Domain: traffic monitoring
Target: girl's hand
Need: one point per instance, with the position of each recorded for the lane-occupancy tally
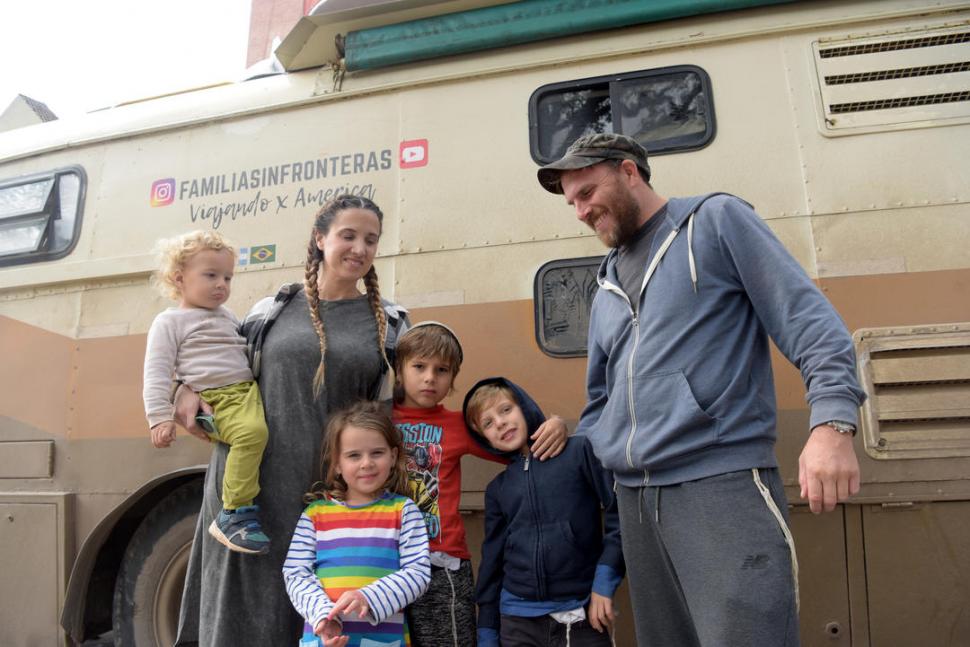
(350, 602)
(550, 438)
(600, 612)
(329, 631)
(163, 434)
(187, 405)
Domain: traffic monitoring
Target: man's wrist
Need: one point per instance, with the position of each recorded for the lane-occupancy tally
(841, 426)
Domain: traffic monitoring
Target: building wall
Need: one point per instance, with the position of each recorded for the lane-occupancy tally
(271, 19)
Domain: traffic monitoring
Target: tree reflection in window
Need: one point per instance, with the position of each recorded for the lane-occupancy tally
(566, 116)
(663, 112)
(666, 110)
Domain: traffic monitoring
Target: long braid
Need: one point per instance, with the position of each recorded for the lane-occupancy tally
(374, 295)
(313, 259)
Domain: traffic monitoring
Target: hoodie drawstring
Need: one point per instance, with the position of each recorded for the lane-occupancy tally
(611, 632)
(690, 250)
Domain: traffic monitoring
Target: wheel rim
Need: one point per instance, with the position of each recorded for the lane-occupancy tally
(168, 597)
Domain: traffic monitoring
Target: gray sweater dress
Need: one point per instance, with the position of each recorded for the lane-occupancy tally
(235, 599)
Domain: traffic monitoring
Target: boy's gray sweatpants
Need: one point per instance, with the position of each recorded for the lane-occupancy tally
(710, 562)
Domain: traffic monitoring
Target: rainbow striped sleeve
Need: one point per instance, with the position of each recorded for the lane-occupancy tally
(302, 585)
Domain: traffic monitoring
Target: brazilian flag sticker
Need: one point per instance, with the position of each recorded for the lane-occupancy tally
(262, 254)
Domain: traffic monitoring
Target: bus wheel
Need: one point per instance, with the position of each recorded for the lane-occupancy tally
(148, 590)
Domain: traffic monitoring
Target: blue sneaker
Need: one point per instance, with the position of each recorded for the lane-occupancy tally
(239, 530)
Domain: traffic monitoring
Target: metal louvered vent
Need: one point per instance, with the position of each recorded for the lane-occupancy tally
(918, 381)
(896, 81)
(894, 45)
(885, 75)
(902, 102)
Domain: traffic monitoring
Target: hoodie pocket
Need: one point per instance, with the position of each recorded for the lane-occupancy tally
(561, 553)
(669, 421)
(520, 553)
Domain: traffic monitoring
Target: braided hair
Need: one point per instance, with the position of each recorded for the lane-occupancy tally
(323, 220)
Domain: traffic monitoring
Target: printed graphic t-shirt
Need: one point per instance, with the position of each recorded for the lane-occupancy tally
(435, 439)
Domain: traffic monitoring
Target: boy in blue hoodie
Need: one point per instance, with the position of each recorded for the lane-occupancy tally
(550, 565)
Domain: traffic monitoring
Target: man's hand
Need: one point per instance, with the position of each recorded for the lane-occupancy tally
(187, 405)
(828, 470)
(349, 602)
(600, 612)
(329, 630)
(550, 438)
(163, 434)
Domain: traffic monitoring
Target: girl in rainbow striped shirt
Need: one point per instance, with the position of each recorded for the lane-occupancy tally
(359, 553)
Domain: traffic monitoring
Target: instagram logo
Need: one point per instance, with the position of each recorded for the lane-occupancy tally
(414, 153)
(163, 192)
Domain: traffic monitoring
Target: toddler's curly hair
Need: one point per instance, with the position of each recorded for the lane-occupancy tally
(174, 253)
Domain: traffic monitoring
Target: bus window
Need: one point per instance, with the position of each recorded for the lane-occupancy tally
(667, 110)
(40, 216)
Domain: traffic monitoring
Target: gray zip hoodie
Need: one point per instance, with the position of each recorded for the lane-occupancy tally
(684, 390)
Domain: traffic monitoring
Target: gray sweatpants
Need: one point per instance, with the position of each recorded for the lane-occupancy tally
(710, 562)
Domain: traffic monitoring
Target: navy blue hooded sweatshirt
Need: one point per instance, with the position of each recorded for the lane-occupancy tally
(544, 537)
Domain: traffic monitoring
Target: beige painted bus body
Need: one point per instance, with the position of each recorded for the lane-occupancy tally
(877, 213)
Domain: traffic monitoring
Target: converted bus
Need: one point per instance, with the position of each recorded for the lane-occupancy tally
(844, 123)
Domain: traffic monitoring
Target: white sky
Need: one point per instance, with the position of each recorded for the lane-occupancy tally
(87, 54)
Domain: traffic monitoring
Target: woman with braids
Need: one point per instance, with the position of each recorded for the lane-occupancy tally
(314, 348)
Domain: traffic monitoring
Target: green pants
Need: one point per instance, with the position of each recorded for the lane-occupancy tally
(238, 414)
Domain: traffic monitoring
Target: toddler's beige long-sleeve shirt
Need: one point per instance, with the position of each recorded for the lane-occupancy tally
(198, 346)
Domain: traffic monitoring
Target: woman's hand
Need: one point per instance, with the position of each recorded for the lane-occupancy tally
(350, 602)
(329, 630)
(550, 438)
(187, 405)
(600, 612)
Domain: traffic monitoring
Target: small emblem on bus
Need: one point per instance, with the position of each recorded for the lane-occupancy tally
(163, 192)
(414, 153)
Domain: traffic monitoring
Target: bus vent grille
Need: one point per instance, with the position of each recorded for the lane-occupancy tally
(871, 84)
(900, 102)
(895, 45)
(906, 73)
(918, 382)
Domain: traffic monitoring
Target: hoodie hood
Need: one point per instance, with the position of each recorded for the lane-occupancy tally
(530, 411)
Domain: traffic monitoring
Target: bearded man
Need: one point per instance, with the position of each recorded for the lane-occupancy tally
(681, 401)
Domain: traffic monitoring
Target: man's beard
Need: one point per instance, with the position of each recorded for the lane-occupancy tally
(627, 213)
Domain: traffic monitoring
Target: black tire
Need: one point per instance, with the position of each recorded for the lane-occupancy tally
(148, 590)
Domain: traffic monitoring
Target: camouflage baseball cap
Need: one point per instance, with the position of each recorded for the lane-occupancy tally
(589, 150)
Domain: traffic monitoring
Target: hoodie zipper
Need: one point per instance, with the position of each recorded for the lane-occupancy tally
(629, 395)
(635, 322)
(536, 555)
(651, 268)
